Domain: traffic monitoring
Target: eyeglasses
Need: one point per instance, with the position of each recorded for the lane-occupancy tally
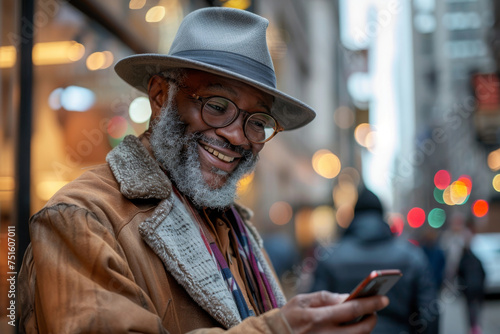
(219, 112)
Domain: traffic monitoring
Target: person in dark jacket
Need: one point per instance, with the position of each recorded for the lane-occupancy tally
(368, 244)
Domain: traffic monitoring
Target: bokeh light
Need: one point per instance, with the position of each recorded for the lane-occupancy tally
(323, 223)
(239, 4)
(117, 127)
(140, 110)
(155, 14)
(344, 215)
(416, 217)
(136, 4)
(442, 179)
(326, 164)
(361, 132)
(447, 196)
(458, 192)
(95, 61)
(303, 231)
(436, 217)
(496, 182)
(480, 208)
(396, 222)
(438, 195)
(494, 160)
(344, 193)
(280, 213)
(75, 98)
(344, 117)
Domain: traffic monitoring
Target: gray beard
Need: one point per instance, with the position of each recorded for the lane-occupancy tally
(178, 153)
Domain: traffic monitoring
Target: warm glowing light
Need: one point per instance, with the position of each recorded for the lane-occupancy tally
(416, 217)
(303, 231)
(45, 190)
(351, 175)
(117, 127)
(136, 4)
(442, 179)
(323, 223)
(245, 183)
(326, 164)
(436, 217)
(458, 192)
(239, 4)
(344, 117)
(371, 140)
(95, 61)
(360, 133)
(52, 53)
(496, 182)
(344, 215)
(280, 213)
(155, 14)
(140, 110)
(467, 180)
(480, 208)
(396, 222)
(345, 193)
(494, 160)
(7, 56)
(109, 58)
(447, 196)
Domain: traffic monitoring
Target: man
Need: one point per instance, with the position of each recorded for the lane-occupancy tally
(368, 244)
(151, 242)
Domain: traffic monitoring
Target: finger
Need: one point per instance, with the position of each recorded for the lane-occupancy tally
(365, 325)
(322, 298)
(357, 307)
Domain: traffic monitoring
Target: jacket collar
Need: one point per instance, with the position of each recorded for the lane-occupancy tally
(174, 236)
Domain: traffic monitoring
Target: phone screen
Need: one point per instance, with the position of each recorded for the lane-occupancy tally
(378, 282)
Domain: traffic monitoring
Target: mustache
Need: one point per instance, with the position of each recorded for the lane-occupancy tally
(245, 154)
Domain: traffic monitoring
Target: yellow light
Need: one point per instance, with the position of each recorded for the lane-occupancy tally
(323, 223)
(280, 213)
(447, 196)
(240, 4)
(458, 192)
(361, 132)
(494, 160)
(326, 164)
(245, 183)
(136, 4)
(45, 190)
(303, 231)
(108, 56)
(95, 61)
(52, 53)
(155, 14)
(7, 56)
(496, 182)
(370, 140)
(344, 117)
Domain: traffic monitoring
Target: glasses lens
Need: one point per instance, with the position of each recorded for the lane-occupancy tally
(219, 112)
(259, 127)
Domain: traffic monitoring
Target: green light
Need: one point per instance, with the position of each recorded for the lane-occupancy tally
(436, 217)
(438, 195)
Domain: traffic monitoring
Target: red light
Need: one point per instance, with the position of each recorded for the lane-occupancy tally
(480, 208)
(416, 217)
(397, 224)
(442, 179)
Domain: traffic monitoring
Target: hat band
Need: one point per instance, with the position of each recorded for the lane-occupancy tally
(233, 62)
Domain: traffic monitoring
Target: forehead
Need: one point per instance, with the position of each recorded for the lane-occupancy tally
(205, 82)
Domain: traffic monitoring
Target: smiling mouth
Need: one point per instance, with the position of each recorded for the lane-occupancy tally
(217, 154)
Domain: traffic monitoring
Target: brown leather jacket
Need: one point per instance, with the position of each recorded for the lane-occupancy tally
(115, 252)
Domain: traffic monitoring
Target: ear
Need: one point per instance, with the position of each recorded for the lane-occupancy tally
(158, 94)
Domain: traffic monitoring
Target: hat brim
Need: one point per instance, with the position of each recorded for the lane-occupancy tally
(136, 70)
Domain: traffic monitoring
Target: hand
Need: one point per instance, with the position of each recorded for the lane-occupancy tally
(325, 312)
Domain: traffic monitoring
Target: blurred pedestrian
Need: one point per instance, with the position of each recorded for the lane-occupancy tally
(435, 254)
(368, 244)
(471, 275)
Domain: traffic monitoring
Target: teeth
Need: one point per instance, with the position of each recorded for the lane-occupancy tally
(218, 154)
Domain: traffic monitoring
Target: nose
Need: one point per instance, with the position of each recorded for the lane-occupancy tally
(234, 132)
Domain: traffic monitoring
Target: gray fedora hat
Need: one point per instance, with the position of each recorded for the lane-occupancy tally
(224, 41)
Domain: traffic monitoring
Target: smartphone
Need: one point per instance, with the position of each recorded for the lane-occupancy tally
(378, 282)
